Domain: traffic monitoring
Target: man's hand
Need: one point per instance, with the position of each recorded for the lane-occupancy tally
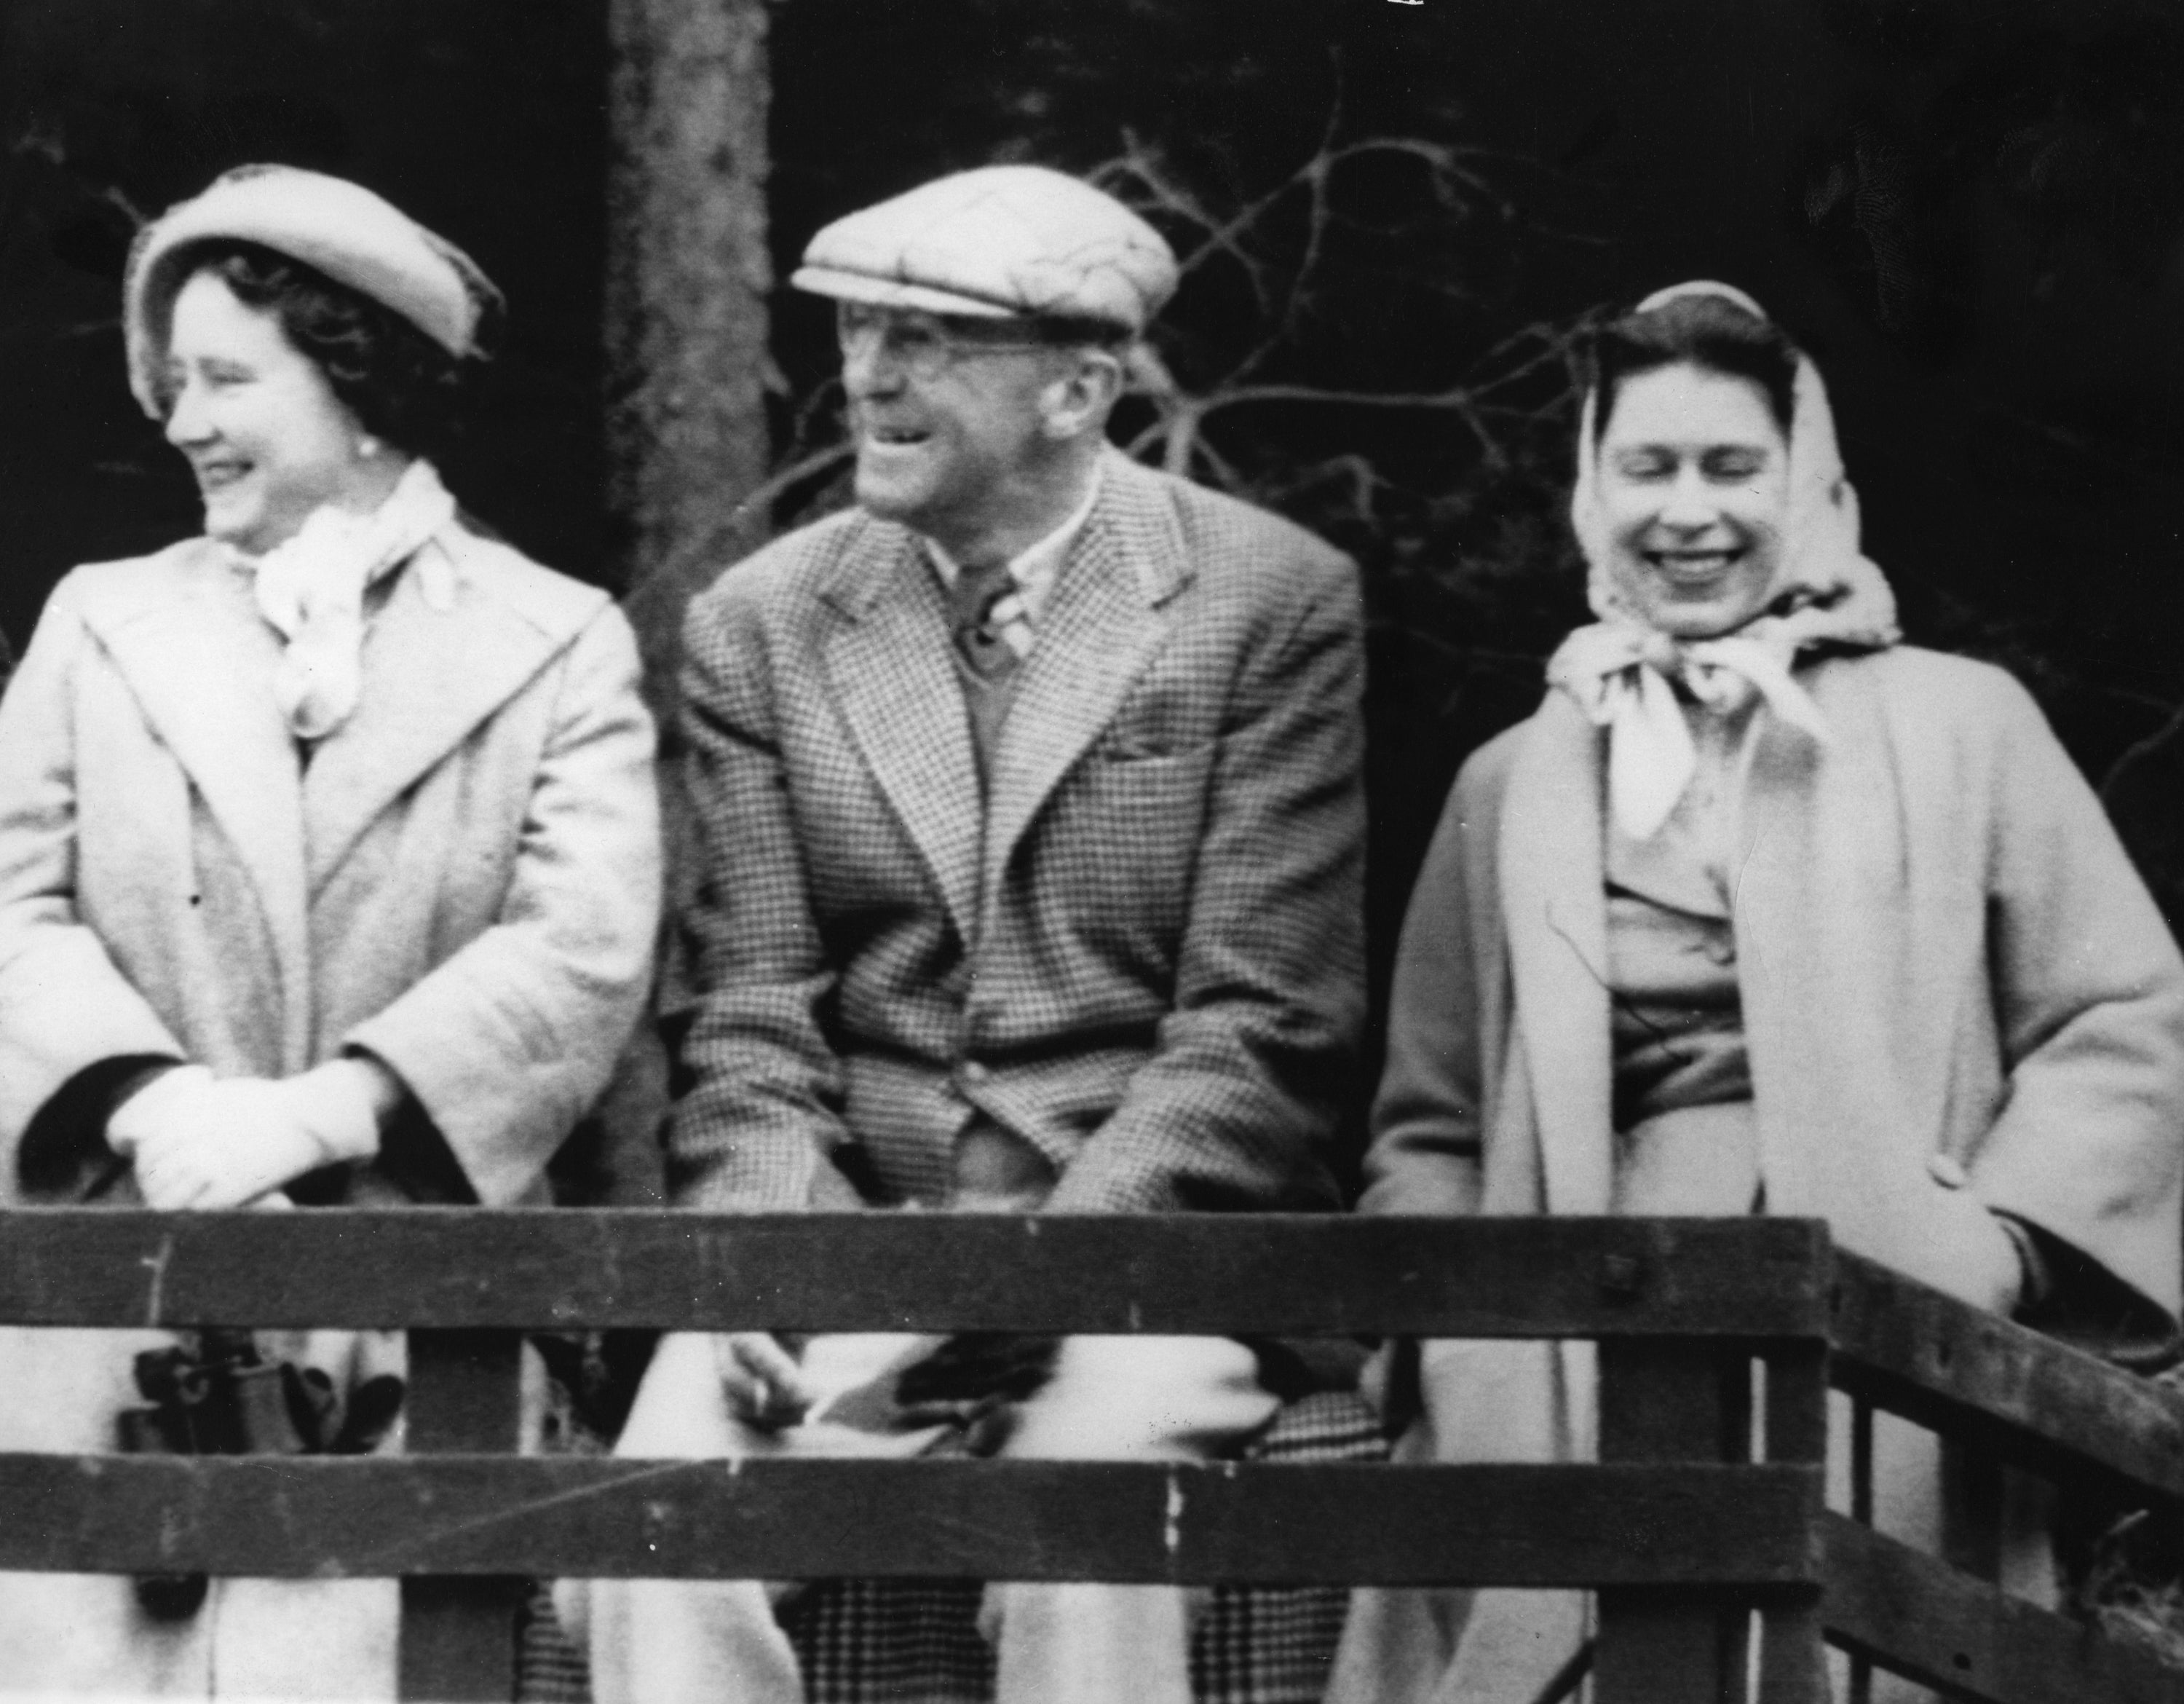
(764, 1386)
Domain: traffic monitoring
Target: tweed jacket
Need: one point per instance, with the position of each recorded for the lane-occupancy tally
(1141, 954)
(465, 880)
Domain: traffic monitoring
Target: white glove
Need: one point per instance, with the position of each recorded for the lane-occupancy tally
(203, 1143)
(184, 1098)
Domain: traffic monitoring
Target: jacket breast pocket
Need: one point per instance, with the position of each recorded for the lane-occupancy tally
(1142, 816)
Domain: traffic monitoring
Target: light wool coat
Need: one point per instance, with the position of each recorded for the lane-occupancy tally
(1949, 971)
(465, 880)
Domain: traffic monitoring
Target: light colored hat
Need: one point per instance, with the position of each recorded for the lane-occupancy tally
(1002, 242)
(352, 236)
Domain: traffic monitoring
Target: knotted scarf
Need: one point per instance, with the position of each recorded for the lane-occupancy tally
(310, 588)
(1623, 672)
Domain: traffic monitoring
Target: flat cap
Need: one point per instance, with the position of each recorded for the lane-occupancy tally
(342, 229)
(1001, 242)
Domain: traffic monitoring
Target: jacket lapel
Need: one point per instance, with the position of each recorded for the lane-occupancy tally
(1104, 622)
(888, 666)
(429, 678)
(199, 663)
(1558, 926)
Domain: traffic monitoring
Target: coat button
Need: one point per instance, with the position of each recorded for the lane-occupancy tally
(1947, 1171)
(973, 1072)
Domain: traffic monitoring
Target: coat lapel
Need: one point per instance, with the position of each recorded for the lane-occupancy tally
(1104, 622)
(200, 664)
(429, 678)
(888, 666)
(1557, 926)
(1841, 978)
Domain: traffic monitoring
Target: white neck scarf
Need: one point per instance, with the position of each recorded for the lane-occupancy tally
(310, 588)
(1623, 671)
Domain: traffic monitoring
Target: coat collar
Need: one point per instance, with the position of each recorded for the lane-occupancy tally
(431, 678)
(1802, 845)
(890, 670)
(1558, 933)
(187, 638)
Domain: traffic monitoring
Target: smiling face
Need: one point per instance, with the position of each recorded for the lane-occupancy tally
(964, 430)
(263, 431)
(1694, 484)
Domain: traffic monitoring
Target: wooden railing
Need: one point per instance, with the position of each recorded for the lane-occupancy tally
(1693, 1532)
(2006, 1396)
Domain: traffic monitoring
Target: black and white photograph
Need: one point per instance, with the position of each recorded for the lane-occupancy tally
(1092, 852)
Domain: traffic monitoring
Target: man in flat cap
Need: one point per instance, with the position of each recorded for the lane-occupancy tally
(1033, 841)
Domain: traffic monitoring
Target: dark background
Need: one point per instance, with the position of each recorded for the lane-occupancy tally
(481, 118)
(1971, 210)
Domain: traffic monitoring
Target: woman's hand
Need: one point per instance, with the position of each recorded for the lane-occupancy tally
(763, 1385)
(201, 1144)
(1964, 1252)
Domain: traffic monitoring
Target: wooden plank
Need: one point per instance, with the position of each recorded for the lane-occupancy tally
(1959, 1369)
(1539, 1526)
(1792, 1662)
(460, 1638)
(465, 1396)
(1914, 1614)
(458, 1634)
(1228, 1273)
(1797, 1403)
(1673, 1401)
(1974, 1495)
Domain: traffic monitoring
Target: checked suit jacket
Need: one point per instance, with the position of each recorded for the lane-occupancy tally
(1141, 950)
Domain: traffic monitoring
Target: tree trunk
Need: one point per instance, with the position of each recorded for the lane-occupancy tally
(688, 273)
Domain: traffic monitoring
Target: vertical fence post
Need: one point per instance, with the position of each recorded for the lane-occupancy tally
(1792, 1656)
(1670, 1399)
(1974, 1491)
(1861, 1511)
(459, 1633)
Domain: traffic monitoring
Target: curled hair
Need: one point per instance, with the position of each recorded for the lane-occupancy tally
(399, 384)
(1701, 331)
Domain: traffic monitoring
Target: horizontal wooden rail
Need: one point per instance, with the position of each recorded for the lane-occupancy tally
(1656, 1525)
(1957, 1369)
(1232, 1274)
(1920, 1616)
(1683, 1535)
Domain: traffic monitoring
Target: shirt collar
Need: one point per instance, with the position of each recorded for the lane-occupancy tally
(1035, 567)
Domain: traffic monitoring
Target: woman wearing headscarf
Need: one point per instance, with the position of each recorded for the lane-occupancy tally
(1762, 910)
(329, 872)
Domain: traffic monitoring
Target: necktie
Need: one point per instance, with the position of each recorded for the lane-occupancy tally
(979, 624)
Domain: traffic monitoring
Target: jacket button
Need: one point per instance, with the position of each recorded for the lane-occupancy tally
(973, 1072)
(1947, 1171)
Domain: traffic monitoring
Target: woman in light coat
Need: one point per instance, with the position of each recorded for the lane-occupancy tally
(1762, 910)
(329, 861)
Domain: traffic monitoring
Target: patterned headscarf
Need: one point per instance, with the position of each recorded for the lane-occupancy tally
(1623, 671)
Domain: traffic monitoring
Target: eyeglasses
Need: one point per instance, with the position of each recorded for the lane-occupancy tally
(924, 344)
